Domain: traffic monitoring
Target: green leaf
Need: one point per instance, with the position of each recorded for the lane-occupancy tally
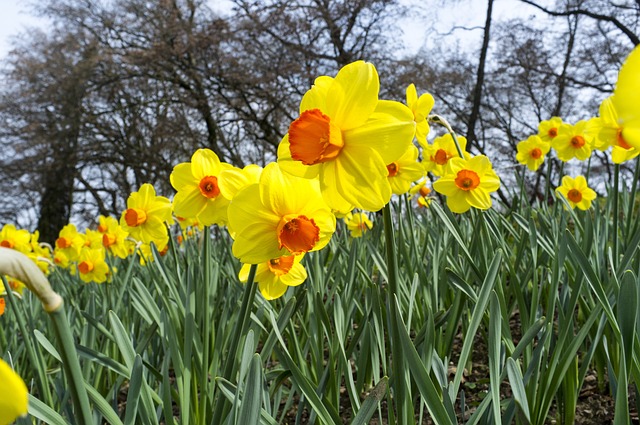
(252, 398)
(370, 403)
(41, 411)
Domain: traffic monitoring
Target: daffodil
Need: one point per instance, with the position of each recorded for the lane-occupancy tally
(607, 131)
(92, 266)
(626, 99)
(114, 237)
(345, 137)
(280, 215)
(69, 242)
(437, 155)
(468, 183)
(15, 397)
(572, 142)
(276, 275)
(18, 239)
(404, 171)
(421, 108)
(548, 130)
(358, 223)
(532, 152)
(421, 193)
(576, 192)
(146, 216)
(40, 253)
(198, 187)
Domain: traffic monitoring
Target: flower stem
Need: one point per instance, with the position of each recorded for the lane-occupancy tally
(440, 120)
(616, 186)
(204, 380)
(632, 196)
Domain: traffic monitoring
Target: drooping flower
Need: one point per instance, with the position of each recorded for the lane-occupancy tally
(280, 215)
(576, 192)
(15, 397)
(18, 239)
(69, 242)
(548, 130)
(572, 142)
(92, 266)
(421, 108)
(146, 216)
(198, 186)
(467, 183)
(626, 99)
(358, 223)
(276, 275)
(404, 171)
(437, 155)
(531, 152)
(346, 137)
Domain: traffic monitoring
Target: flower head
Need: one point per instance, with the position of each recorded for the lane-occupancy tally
(625, 99)
(608, 131)
(10, 237)
(404, 171)
(532, 152)
(146, 215)
(576, 192)
(572, 142)
(421, 107)
(548, 130)
(437, 155)
(276, 275)
(69, 242)
(92, 266)
(421, 192)
(15, 397)
(357, 223)
(114, 237)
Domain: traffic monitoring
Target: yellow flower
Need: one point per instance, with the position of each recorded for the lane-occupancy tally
(548, 130)
(15, 397)
(146, 215)
(40, 253)
(357, 224)
(114, 237)
(572, 142)
(17, 286)
(346, 137)
(608, 132)
(198, 186)
(625, 98)
(437, 155)
(421, 192)
(276, 275)
(232, 180)
(281, 215)
(10, 237)
(404, 171)
(92, 266)
(576, 192)
(467, 183)
(532, 152)
(69, 242)
(421, 107)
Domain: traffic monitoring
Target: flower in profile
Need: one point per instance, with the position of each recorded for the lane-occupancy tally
(198, 186)
(421, 108)
(576, 192)
(276, 275)
(92, 266)
(69, 242)
(421, 192)
(548, 130)
(437, 155)
(280, 215)
(625, 99)
(467, 183)
(357, 223)
(114, 237)
(345, 137)
(146, 216)
(15, 397)
(40, 253)
(10, 237)
(404, 171)
(531, 152)
(572, 142)
(608, 131)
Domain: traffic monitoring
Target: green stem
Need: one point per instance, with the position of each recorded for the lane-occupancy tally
(616, 185)
(440, 120)
(204, 379)
(632, 197)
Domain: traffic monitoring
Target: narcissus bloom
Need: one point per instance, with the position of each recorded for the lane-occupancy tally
(114, 237)
(421, 192)
(15, 398)
(576, 192)
(437, 155)
(198, 186)
(280, 215)
(609, 132)
(92, 266)
(10, 237)
(421, 108)
(357, 223)
(467, 183)
(531, 152)
(346, 137)
(548, 130)
(572, 142)
(276, 275)
(146, 215)
(626, 98)
(404, 171)
(69, 242)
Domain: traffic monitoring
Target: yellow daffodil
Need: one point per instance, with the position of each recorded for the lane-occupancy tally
(69, 242)
(608, 131)
(346, 137)
(16, 286)
(280, 215)
(10, 237)
(404, 171)
(437, 155)
(232, 180)
(626, 99)
(40, 253)
(92, 266)
(467, 183)
(198, 186)
(572, 142)
(146, 216)
(421, 192)
(531, 152)
(576, 192)
(548, 130)
(114, 237)
(357, 223)
(15, 397)
(276, 275)
(421, 108)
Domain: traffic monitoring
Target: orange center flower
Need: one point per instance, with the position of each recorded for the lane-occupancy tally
(7, 243)
(135, 217)
(424, 191)
(209, 186)
(108, 240)
(85, 267)
(621, 142)
(392, 169)
(314, 139)
(553, 132)
(574, 196)
(63, 243)
(467, 180)
(281, 266)
(536, 153)
(440, 157)
(577, 142)
(102, 228)
(298, 234)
